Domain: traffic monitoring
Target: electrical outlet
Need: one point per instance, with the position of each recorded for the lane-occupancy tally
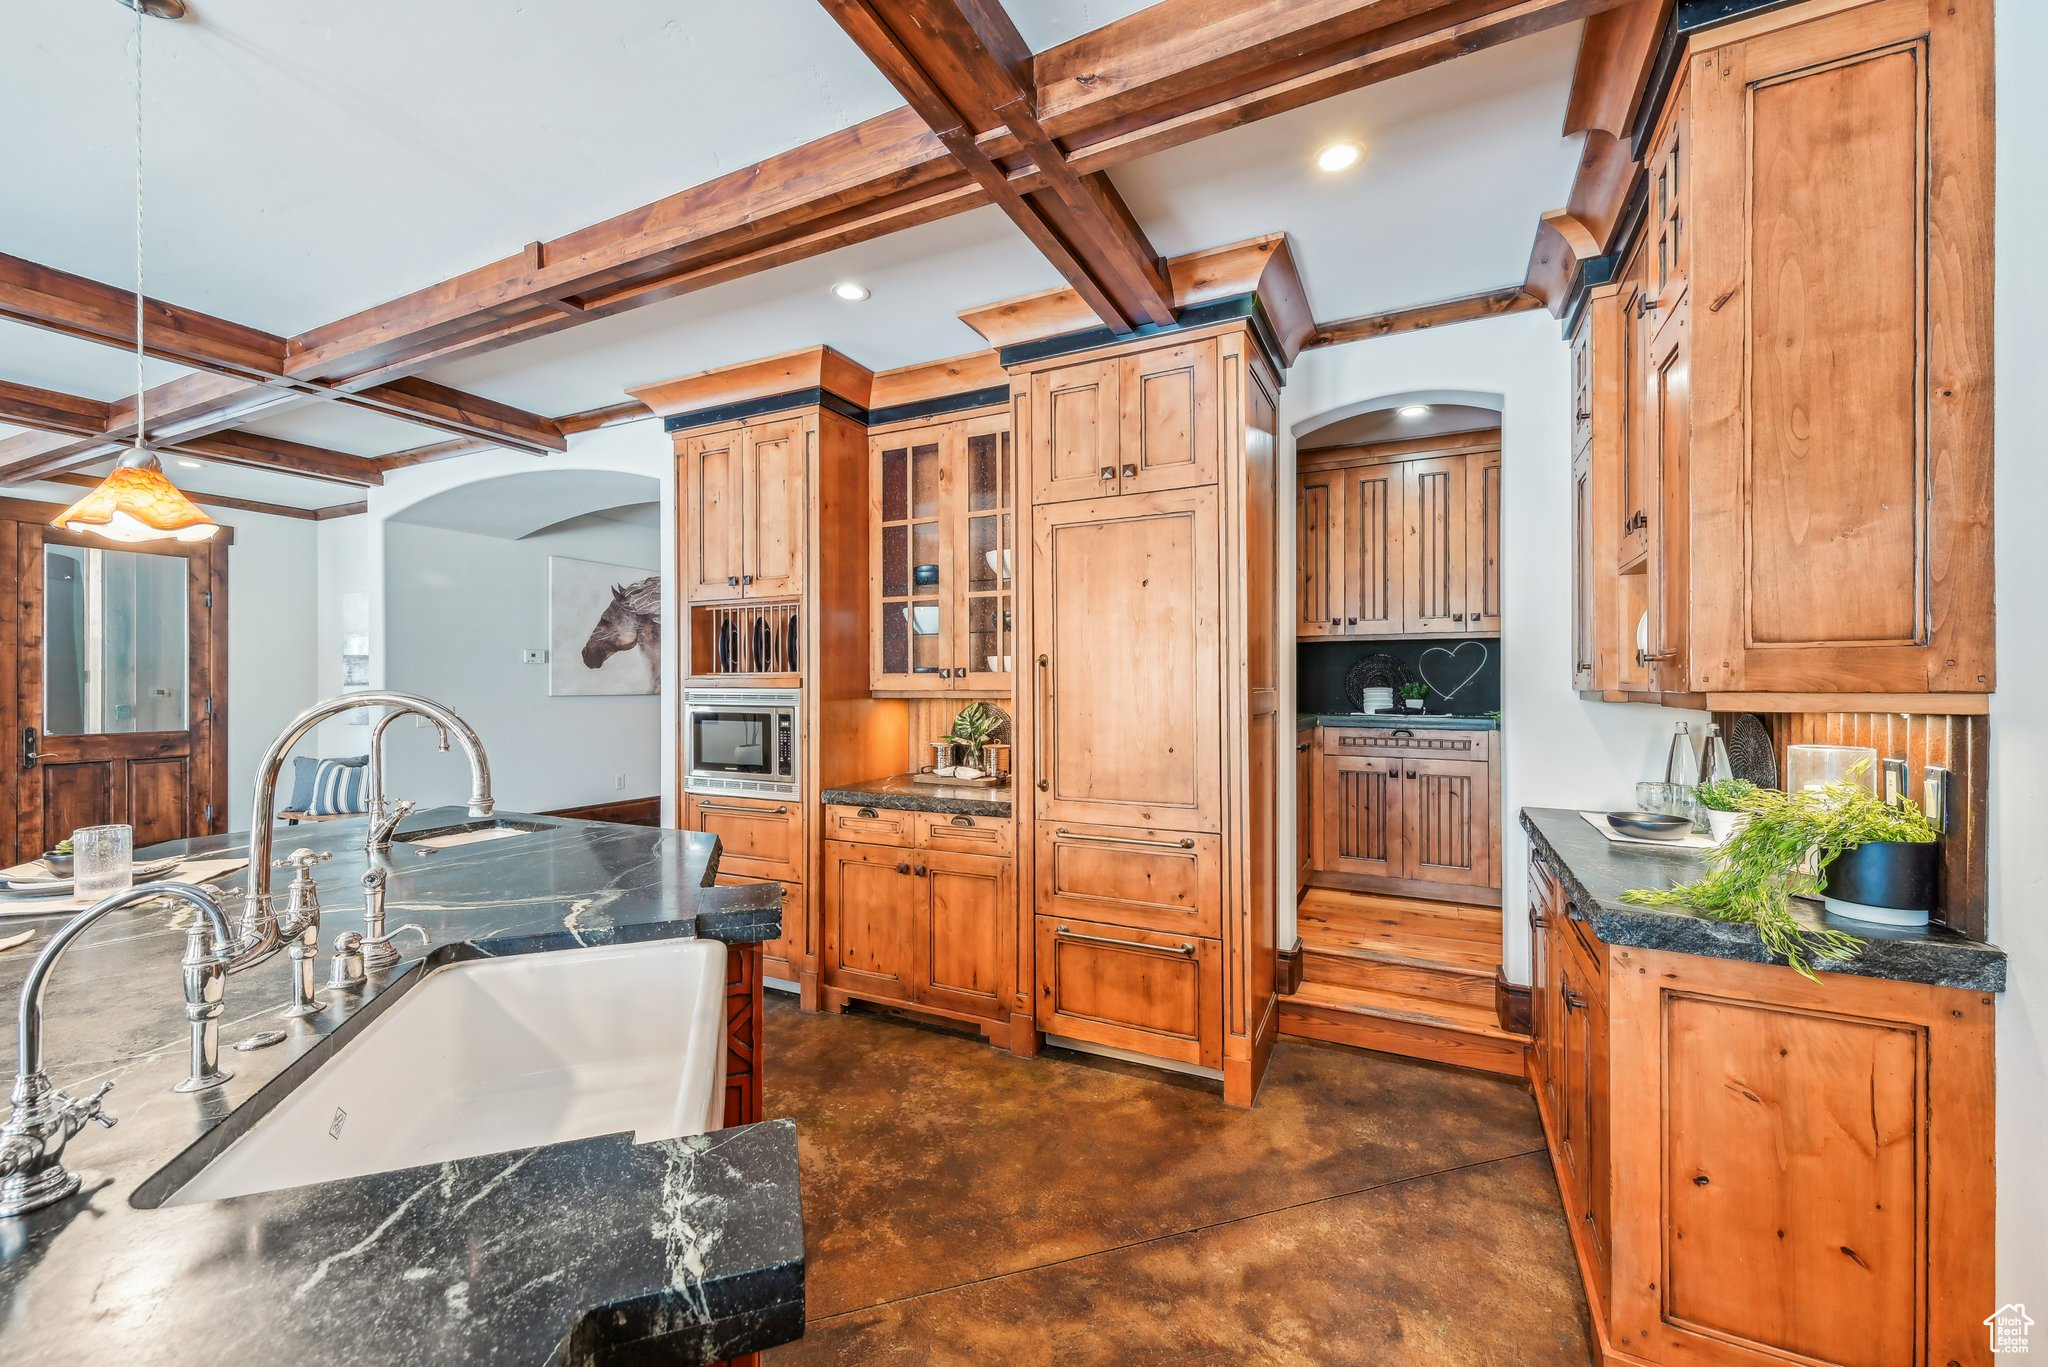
(535, 657)
(619, 782)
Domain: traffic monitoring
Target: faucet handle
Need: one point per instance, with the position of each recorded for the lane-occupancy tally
(303, 860)
(78, 1112)
(388, 936)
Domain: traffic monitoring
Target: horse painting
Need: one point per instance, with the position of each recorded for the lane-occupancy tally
(604, 629)
(631, 621)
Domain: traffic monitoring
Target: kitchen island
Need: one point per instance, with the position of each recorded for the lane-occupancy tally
(592, 1251)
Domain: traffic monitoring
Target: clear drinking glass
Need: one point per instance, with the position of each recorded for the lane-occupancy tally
(103, 861)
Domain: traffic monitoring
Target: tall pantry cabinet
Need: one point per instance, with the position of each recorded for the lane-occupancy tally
(1147, 698)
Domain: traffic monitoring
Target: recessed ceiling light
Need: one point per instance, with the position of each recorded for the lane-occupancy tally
(1414, 410)
(1339, 156)
(850, 292)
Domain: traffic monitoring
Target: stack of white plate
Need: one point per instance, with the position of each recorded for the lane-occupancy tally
(1377, 699)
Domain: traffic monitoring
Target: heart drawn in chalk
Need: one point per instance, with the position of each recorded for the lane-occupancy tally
(1453, 656)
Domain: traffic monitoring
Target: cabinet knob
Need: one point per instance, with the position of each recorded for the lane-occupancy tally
(1130, 472)
(1354, 621)
(903, 868)
(1457, 617)
(963, 821)
(746, 579)
(919, 870)
(868, 814)
(732, 581)
(1108, 472)
(1584, 416)
(1336, 621)
(1411, 773)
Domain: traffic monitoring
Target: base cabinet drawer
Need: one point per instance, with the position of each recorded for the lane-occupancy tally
(870, 825)
(967, 834)
(1166, 881)
(758, 837)
(1152, 993)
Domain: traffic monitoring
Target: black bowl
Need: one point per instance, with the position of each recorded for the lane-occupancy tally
(1651, 825)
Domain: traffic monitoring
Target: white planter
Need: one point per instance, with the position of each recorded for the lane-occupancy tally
(1723, 825)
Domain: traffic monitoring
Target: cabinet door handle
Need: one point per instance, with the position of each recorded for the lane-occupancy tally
(732, 581)
(746, 579)
(963, 821)
(869, 813)
(1108, 473)
(1130, 472)
(918, 871)
(1411, 773)
(1336, 621)
(1186, 842)
(1457, 617)
(1573, 1001)
(1401, 731)
(1301, 749)
(1584, 416)
(1354, 621)
(31, 756)
(778, 810)
(903, 869)
(1185, 950)
(1044, 675)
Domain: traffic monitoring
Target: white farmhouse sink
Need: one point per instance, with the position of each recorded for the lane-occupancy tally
(497, 1054)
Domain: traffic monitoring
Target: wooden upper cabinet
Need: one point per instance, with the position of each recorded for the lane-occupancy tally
(746, 498)
(1374, 570)
(1323, 584)
(1482, 544)
(1668, 228)
(1624, 452)
(1667, 432)
(777, 498)
(1433, 492)
(1077, 422)
(1170, 428)
(943, 555)
(1587, 574)
(1133, 424)
(713, 553)
(1128, 621)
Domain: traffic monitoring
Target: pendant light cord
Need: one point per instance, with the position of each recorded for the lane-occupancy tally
(141, 395)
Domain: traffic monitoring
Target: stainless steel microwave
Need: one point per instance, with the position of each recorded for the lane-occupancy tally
(741, 740)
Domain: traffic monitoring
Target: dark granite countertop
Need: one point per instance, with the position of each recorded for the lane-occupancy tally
(904, 794)
(1418, 720)
(595, 1250)
(1596, 872)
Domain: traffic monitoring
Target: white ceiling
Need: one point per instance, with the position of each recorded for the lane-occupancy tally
(307, 161)
(1391, 424)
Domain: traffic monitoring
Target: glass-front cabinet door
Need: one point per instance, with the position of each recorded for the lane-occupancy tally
(989, 553)
(944, 557)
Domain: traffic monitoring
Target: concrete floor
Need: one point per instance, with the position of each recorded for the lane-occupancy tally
(961, 1205)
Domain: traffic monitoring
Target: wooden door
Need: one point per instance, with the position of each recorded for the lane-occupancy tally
(870, 901)
(1358, 828)
(1305, 786)
(1170, 423)
(714, 554)
(1373, 569)
(1076, 427)
(1322, 588)
(1447, 821)
(1572, 1058)
(914, 560)
(777, 499)
(1668, 232)
(1636, 478)
(1667, 427)
(984, 527)
(758, 837)
(967, 912)
(119, 656)
(1585, 575)
(1433, 528)
(1482, 543)
(1128, 661)
(1544, 1006)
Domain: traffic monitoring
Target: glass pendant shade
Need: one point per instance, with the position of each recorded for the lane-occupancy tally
(136, 502)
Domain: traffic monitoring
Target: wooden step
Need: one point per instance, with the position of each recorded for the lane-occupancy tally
(1425, 981)
(1392, 1023)
(1402, 930)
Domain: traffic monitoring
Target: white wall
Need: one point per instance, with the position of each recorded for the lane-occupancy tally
(639, 448)
(459, 609)
(274, 594)
(1557, 750)
(2019, 710)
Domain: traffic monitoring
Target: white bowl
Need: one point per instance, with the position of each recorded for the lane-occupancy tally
(924, 620)
(989, 557)
(1000, 664)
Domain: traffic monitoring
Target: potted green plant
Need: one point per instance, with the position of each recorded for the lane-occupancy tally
(1413, 695)
(1721, 803)
(58, 860)
(976, 726)
(1789, 848)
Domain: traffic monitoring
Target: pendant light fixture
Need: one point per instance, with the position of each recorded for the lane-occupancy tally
(136, 501)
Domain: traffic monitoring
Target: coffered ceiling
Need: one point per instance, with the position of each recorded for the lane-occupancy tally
(306, 162)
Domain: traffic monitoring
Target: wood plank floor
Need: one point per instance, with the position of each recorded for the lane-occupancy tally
(963, 1206)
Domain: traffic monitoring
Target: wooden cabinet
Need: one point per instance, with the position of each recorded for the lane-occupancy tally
(943, 554)
(1774, 1132)
(1589, 576)
(746, 500)
(1128, 670)
(1396, 541)
(758, 837)
(1305, 786)
(1149, 991)
(1131, 424)
(914, 920)
(1808, 489)
(1405, 812)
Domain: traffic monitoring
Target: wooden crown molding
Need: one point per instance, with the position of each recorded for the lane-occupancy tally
(1464, 309)
(818, 367)
(1260, 266)
(914, 384)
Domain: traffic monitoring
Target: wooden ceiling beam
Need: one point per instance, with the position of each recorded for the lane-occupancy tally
(1464, 309)
(1174, 72)
(49, 411)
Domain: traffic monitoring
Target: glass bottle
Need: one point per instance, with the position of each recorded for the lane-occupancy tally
(1682, 771)
(1715, 765)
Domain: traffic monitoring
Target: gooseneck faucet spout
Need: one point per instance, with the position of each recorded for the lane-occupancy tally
(43, 1119)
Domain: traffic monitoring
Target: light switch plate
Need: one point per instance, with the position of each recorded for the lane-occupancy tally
(535, 657)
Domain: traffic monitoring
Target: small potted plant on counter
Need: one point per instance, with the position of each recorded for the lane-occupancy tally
(1793, 845)
(1413, 695)
(58, 860)
(976, 726)
(1722, 803)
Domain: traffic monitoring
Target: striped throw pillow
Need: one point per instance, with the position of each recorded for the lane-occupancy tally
(338, 789)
